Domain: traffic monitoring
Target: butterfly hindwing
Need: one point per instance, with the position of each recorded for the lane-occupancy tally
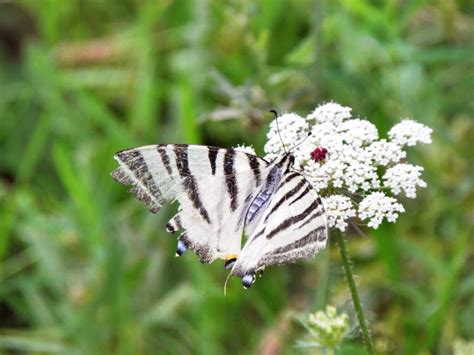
(292, 226)
(212, 185)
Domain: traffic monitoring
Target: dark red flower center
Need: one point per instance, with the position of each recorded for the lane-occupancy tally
(319, 154)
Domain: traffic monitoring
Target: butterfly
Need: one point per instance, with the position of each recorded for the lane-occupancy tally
(234, 206)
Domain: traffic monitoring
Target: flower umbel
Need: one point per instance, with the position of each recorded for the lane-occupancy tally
(338, 209)
(378, 206)
(327, 328)
(404, 177)
(346, 156)
(409, 132)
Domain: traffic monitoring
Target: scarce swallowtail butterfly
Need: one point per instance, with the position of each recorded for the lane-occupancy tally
(234, 206)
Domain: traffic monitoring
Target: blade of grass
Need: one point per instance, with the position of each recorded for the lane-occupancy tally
(94, 110)
(23, 343)
(187, 111)
(73, 180)
(35, 147)
(447, 292)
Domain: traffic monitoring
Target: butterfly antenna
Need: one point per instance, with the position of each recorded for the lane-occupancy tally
(302, 141)
(278, 129)
(225, 283)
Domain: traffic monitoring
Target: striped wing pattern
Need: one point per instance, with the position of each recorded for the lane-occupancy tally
(223, 193)
(212, 185)
(294, 226)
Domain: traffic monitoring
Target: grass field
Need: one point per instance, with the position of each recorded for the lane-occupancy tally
(86, 269)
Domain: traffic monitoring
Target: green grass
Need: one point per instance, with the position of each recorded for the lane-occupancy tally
(84, 268)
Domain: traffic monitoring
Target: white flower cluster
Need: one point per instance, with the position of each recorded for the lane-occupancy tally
(328, 329)
(378, 206)
(346, 155)
(338, 209)
(409, 132)
(404, 177)
(384, 152)
(331, 112)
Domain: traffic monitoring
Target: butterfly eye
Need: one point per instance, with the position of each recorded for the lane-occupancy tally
(248, 280)
(181, 248)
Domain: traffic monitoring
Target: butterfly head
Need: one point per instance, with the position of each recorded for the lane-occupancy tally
(285, 162)
(291, 159)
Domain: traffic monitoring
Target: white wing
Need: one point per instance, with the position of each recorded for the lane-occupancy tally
(213, 186)
(293, 226)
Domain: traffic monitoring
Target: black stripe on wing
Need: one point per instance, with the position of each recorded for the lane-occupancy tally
(230, 178)
(302, 194)
(188, 180)
(137, 165)
(292, 220)
(164, 158)
(318, 234)
(212, 155)
(316, 214)
(288, 195)
(255, 165)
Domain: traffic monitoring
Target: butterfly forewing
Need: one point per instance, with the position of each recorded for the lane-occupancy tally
(212, 185)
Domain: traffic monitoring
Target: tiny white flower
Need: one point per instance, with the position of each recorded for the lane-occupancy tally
(330, 112)
(409, 132)
(339, 209)
(404, 177)
(384, 152)
(377, 206)
(246, 149)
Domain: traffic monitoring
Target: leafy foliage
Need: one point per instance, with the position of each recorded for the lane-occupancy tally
(84, 268)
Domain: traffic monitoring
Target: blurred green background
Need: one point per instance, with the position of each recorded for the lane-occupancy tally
(85, 269)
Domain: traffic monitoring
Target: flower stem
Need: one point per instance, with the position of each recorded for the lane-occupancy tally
(346, 262)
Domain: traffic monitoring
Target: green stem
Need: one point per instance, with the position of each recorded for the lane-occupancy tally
(346, 262)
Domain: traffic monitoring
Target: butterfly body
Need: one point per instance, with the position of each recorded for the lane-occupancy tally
(263, 196)
(226, 196)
